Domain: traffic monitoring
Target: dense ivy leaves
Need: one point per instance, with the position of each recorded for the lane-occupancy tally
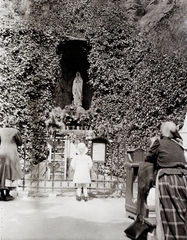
(29, 71)
(135, 85)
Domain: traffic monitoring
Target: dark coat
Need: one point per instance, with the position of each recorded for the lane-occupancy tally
(146, 179)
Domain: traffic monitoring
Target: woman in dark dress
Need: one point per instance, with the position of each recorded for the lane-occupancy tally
(167, 154)
(10, 167)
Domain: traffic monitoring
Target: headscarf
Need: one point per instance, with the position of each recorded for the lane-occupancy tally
(169, 129)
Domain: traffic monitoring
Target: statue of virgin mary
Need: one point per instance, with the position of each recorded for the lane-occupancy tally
(77, 90)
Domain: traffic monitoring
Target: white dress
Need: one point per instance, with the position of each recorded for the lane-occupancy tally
(82, 165)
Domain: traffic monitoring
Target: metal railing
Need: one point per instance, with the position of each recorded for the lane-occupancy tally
(54, 175)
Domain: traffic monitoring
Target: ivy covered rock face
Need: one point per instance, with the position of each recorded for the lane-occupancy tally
(139, 87)
(28, 78)
(136, 86)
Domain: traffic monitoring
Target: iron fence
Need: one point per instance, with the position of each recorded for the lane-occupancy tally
(55, 175)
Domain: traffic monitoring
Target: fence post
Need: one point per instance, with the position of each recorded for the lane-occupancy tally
(24, 159)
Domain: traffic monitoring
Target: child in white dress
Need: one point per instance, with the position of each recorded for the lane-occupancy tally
(82, 164)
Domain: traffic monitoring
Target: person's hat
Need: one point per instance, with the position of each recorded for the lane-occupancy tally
(81, 147)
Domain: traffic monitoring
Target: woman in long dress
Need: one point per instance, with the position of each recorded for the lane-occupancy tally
(167, 154)
(10, 167)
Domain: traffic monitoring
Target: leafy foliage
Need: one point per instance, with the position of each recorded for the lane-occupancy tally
(29, 73)
(136, 87)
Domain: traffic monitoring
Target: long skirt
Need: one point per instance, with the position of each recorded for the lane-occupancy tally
(10, 171)
(173, 206)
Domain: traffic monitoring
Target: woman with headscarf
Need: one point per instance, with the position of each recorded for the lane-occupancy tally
(10, 167)
(167, 154)
(77, 90)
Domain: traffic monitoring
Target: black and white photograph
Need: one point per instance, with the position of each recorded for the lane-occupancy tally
(93, 119)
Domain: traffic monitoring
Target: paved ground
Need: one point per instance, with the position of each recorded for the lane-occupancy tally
(63, 218)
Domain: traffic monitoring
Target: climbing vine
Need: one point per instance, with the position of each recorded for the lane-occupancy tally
(135, 86)
(30, 71)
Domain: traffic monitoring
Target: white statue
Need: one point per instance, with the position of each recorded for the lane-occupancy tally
(77, 90)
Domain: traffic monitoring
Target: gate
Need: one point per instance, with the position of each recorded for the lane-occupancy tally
(54, 175)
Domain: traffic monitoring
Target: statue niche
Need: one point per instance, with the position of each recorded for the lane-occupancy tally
(73, 62)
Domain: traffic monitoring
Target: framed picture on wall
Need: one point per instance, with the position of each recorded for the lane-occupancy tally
(99, 149)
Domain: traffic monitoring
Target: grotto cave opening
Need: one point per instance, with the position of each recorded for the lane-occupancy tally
(74, 54)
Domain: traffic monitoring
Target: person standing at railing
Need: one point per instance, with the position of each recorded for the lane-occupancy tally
(82, 164)
(10, 167)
